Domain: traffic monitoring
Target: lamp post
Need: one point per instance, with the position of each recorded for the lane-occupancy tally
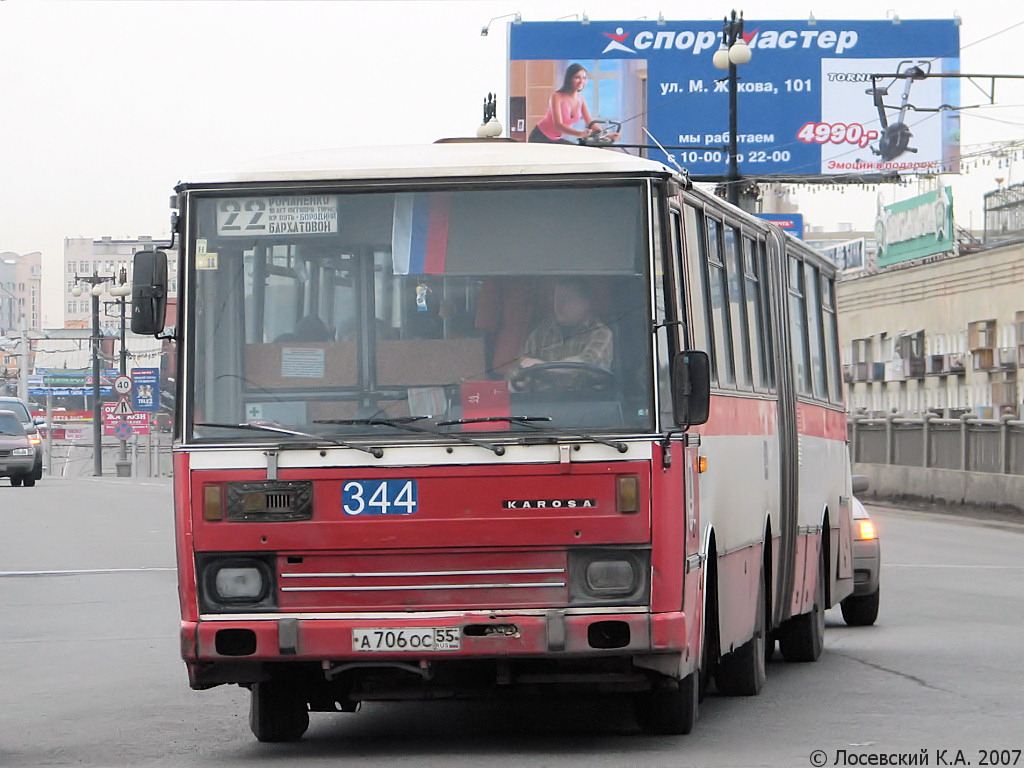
(96, 283)
(732, 52)
(120, 292)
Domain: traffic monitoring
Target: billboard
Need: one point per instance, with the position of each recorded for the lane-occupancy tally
(791, 223)
(848, 256)
(914, 228)
(806, 102)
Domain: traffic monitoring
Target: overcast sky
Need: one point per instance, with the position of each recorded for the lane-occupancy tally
(105, 105)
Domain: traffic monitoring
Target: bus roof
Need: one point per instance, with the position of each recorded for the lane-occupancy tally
(467, 158)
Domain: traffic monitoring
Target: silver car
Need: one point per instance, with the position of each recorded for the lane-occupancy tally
(17, 454)
(20, 409)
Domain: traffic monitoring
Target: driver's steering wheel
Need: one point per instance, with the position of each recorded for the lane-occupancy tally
(563, 376)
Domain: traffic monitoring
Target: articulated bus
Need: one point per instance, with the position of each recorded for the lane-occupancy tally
(384, 490)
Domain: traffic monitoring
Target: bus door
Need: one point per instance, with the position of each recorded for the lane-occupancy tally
(788, 445)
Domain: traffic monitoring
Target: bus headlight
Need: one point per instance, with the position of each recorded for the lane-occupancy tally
(233, 582)
(609, 576)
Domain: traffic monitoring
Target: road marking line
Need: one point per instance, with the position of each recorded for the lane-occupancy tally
(81, 572)
(942, 565)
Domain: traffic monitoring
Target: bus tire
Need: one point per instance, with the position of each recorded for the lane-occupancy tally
(277, 712)
(860, 610)
(742, 672)
(802, 638)
(670, 710)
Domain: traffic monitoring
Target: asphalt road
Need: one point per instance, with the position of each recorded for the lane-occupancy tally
(90, 676)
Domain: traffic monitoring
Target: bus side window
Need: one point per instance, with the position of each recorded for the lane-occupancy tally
(755, 312)
(718, 307)
(798, 318)
(737, 307)
(695, 248)
(815, 332)
(835, 383)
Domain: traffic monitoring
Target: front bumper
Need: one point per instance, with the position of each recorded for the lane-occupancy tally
(235, 649)
(867, 561)
(17, 466)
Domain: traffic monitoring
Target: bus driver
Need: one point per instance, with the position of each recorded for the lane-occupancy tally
(572, 333)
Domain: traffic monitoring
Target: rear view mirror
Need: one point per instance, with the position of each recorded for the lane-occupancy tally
(691, 388)
(149, 292)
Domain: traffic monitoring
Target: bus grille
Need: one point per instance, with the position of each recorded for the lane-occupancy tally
(423, 581)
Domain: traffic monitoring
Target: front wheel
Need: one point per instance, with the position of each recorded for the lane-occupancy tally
(671, 710)
(860, 610)
(277, 712)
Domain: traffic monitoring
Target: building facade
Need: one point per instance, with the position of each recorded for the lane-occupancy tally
(945, 337)
(104, 257)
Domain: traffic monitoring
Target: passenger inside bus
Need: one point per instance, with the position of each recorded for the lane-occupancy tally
(309, 328)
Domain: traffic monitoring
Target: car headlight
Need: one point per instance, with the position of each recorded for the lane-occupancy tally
(21, 452)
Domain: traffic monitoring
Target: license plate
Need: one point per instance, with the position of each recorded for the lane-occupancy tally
(409, 639)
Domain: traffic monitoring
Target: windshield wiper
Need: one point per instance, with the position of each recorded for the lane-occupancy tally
(373, 450)
(527, 421)
(404, 424)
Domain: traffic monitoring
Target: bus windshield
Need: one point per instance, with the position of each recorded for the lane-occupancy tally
(423, 310)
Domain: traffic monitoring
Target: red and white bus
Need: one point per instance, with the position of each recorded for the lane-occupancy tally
(377, 499)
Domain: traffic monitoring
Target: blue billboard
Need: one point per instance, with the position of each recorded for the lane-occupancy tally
(806, 101)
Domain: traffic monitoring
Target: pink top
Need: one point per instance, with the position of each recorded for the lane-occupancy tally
(572, 112)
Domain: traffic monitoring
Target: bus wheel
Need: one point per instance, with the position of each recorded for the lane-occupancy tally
(277, 712)
(671, 710)
(15, 482)
(802, 638)
(742, 672)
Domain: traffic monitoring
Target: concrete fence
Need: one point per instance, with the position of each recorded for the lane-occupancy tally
(961, 461)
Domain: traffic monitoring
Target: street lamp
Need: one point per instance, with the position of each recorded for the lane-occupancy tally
(120, 292)
(95, 283)
(732, 52)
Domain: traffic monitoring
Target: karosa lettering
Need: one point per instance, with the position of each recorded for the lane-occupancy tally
(548, 503)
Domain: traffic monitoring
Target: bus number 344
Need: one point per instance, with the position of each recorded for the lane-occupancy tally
(379, 497)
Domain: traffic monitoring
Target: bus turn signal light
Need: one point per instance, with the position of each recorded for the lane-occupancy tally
(628, 495)
(702, 464)
(213, 503)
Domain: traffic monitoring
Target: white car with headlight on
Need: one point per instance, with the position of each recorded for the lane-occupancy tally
(861, 608)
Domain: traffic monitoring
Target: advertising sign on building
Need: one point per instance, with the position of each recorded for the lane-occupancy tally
(915, 228)
(807, 104)
(847, 256)
(790, 223)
